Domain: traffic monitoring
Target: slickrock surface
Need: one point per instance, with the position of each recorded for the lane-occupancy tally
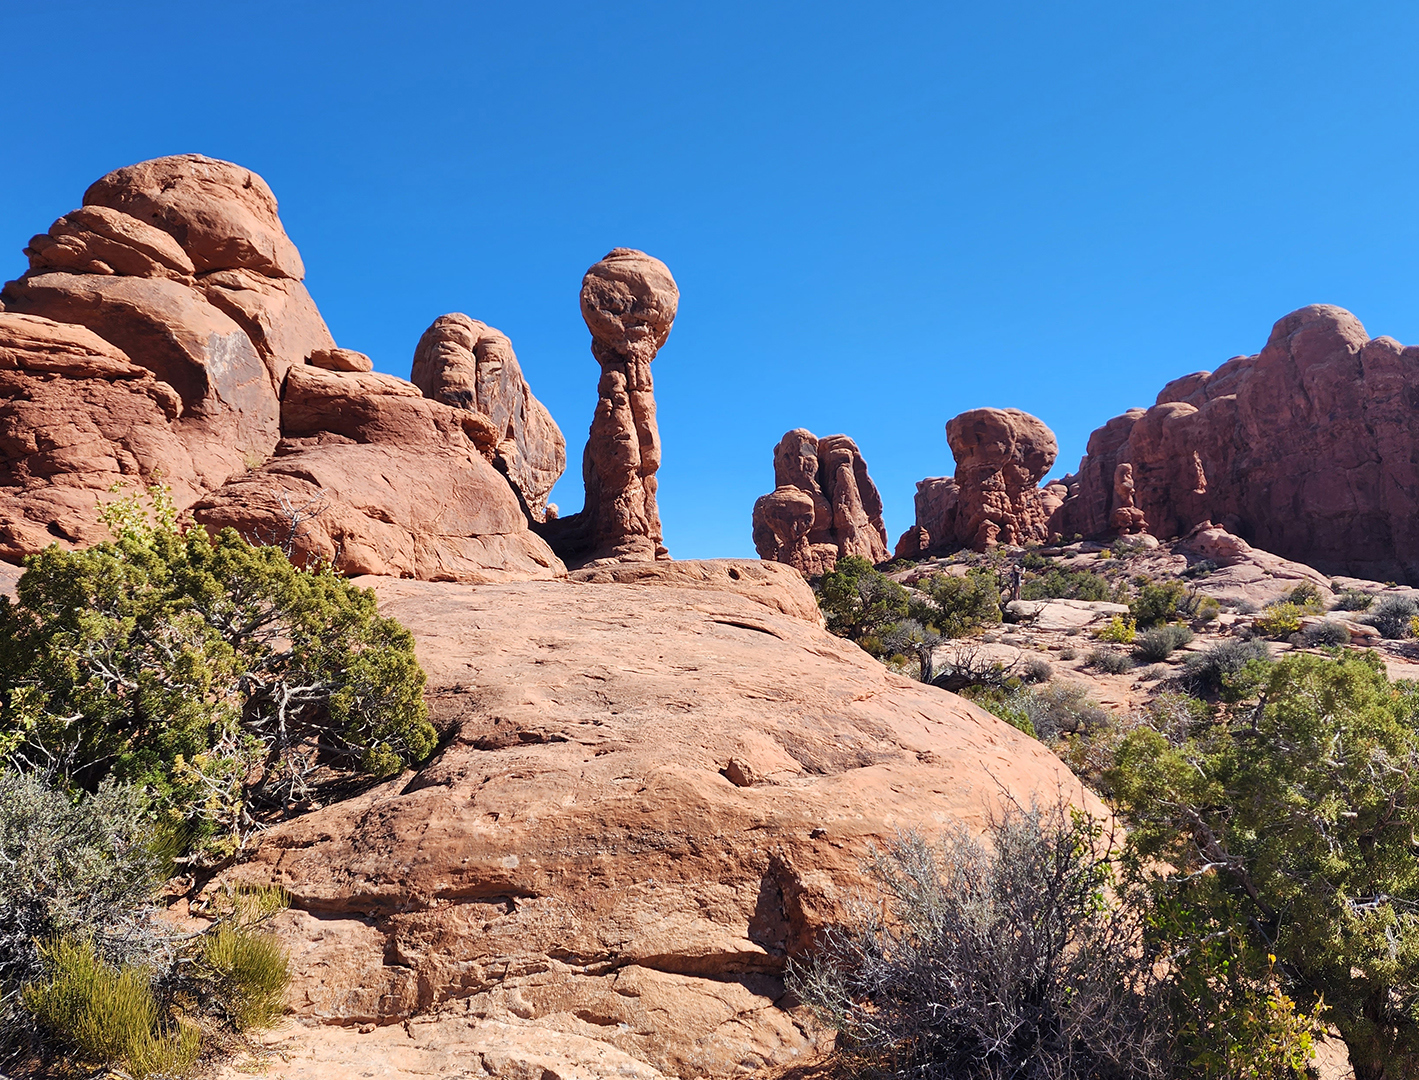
(1308, 449)
(469, 365)
(994, 497)
(628, 300)
(652, 797)
(823, 506)
(769, 583)
(163, 333)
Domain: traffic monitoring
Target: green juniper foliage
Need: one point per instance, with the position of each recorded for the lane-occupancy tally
(1290, 828)
(230, 685)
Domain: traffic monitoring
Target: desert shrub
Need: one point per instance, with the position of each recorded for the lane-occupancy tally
(1286, 831)
(911, 638)
(859, 602)
(1008, 958)
(1061, 708)
(1158, 644)
(1058, 583)
(1278, 620)
(1069, 652)
(1328, 632)
(1153, 672)
(1306, 596)
(1036, 669)
(1201, 568)
(104, 1015)
(83, 868)
(966, 664)
(250, 971)
(1118, 631)
(1205, 609)
(1353, 600)
(1221, 668)
(959, 606)
(1157, 602)
(228, 683)
(1109, 661)
(1390, 615)
(1002, 703)
(1243, 606)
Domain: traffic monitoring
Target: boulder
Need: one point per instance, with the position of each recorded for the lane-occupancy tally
(469, 365)
(1307, 449)
(650, 798)
(824, 505)
(1062, 614)
(628, 300)
(437, 512)
(340, 360)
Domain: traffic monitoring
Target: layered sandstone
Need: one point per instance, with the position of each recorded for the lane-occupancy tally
(824, 505)
(651, 797)
(162, 333)
(469, 365)
(1309, 449)
(994, 497)
(628, 300)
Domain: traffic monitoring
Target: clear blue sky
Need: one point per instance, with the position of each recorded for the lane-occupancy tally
(879, 215)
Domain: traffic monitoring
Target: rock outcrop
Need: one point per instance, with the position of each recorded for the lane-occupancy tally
(624, 838)
(994, 497)
(1309, 450)
(162, 332)
(628, 300)
(469, 365)
(823, 506)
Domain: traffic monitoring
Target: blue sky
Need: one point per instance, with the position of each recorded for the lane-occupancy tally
(879, 216)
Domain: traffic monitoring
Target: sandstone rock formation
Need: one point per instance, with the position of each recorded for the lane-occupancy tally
(628, 300)
(162, 333)
(469, 365)
(823, 506)
(1125, 518)
(994, 497)
(1308, 449)
(624, 838)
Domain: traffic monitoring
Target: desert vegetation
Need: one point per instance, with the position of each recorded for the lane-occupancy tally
(166, 695)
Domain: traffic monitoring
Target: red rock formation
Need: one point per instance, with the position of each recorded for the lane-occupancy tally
(469, 365)
(651, 797)
(1001, 456)
(823, 506)
(162, 332)
(1307, 450)
(1126, 518)
(628, 300)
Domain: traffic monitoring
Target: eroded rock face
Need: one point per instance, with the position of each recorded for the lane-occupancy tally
(612, 850)
(823, 506)
(469, 365)
(628, 300)
(162, 332)
(1309, 449)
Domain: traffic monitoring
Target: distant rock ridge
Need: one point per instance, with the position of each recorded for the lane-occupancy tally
(162, 333)
(1308, 449)
(824, 505)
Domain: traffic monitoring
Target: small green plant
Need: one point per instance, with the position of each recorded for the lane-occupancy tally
(1353, 600)
(1069, 652)
(1036, 670)
(108, 1016)
(1229, 668)
(1057, 583)
(1206, 609)
(1278, 620)
(1105, 554)
(1119, 630)
(1109, 661)
(1157, 644)
(1158, 602)
(1392, 615)
(1328, 632)
(1201, 568)
(251, 971)
(1306, 596)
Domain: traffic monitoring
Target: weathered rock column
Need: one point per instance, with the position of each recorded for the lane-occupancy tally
(628, 300)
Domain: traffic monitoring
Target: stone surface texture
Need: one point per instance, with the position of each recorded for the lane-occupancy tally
(469, 365)
(650, 798)
(162, 333)
(628, 300)
(1309, 449)
(824, 505)
(1001, 456)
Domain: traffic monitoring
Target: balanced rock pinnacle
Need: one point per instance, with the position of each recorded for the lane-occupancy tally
(628, 300)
